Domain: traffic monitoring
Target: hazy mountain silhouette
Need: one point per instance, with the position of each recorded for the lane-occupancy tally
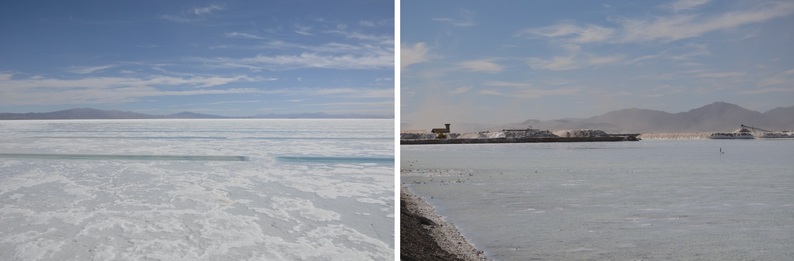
(783, 115)
(715, 117)
(89, 113)
(320, 115)
(193, 115)
(78, 113)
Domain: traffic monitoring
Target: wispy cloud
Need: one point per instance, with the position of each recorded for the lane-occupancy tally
(782, 78)
(575, 59)
(385, 107)
(194, 14)
(366, 23)
(509, 84)
(535, 93)
(381, 60)
(465, 18)
(490, 92)
(559, 63)
(359, 93)
(4, 76)
(721, 74)
(384, 22)
(528, 91)
(88, 69)
(243, 35)
(571, 32)
(207, 9)
(768, 90)
(303, 30)
(365, 51)
(92, 90)
(487, 66)
(382, 39)
(681, 5)
(42, 83)
(177, 19)
(460, 90)
(413, 54)
(665, 28)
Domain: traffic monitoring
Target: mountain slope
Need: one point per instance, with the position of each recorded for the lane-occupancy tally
(192, 115)
(77, 113)
(89, 113)
(784, 116)
(715, 117)
(719, 116)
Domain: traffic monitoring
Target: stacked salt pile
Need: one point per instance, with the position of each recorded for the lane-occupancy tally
(417, 136)
(528, 133)
(481, 135)
(675, 136)
(510, 134)
(581, 133)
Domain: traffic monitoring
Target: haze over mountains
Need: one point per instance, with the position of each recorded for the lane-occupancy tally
(89, 113)
(715, 117)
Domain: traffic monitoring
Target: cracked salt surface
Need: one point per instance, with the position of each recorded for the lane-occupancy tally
(647, 200)
(194, 208)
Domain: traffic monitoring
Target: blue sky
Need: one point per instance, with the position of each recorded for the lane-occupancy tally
(509, 61)
(234, 58)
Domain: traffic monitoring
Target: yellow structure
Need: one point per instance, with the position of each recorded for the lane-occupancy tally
(441, 133)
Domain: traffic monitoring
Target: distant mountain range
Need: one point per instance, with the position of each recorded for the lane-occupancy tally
(715, 117)
(89, 113)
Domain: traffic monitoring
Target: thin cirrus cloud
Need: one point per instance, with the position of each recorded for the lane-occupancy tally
(243, 35)
(169, 55)
(594, 59)
(571, 32)
(192, 15)
(660, 28)
(90, 94)
(529, 91)
(460, 90)
(721, 74)
(41, 90)
(207, 9)
(369, 51)
(41, 83)
(117, 89)
(782, 78)
(88, 69)
(573, 61)
(681, 5)
(486, 66)
(465, 19)
(383, 60)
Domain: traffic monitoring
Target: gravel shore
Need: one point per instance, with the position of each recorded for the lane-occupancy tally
(424, 235)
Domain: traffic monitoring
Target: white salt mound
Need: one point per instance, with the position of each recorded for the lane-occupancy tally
(581, 133)
(510, 134)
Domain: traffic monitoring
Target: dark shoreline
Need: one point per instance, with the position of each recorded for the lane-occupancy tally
(425, 235)
(630, 137)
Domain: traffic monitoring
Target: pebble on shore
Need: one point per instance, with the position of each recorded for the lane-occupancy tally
(425, 235)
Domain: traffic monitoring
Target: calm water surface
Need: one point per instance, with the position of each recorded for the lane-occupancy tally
(657, 200)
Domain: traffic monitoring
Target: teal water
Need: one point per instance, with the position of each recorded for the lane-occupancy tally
(648, 200)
